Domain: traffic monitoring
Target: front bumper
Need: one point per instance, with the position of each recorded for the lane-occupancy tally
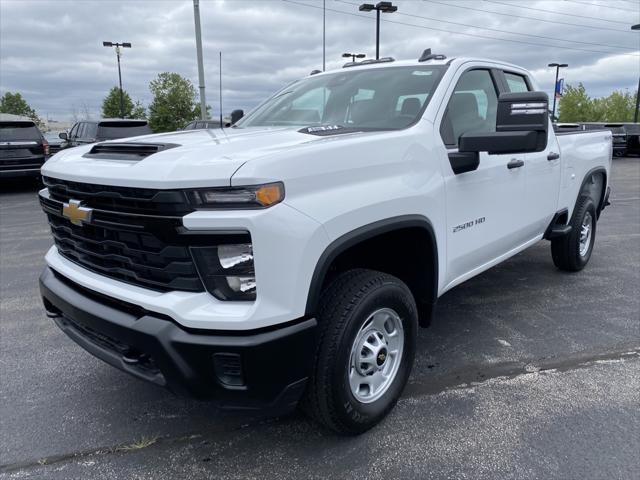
(620, 149)
(20, 172)
(264, 368)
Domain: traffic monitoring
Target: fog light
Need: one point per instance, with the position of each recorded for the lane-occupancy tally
(227, 270)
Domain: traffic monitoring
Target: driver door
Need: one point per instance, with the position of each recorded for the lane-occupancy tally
(484, 206)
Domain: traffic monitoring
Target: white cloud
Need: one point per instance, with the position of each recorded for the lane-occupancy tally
(52, 52)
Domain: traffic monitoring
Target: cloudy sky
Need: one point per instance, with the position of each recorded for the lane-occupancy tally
(52, 53)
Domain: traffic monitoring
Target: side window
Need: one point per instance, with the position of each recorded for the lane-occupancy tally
(516, 83)
(91, 130)
(473, 107)
(81, 130)
(74, 131)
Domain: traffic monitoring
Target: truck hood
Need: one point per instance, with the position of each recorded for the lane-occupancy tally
(202, 158)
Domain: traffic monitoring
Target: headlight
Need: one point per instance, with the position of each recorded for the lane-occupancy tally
(254, 196)
(227, 271)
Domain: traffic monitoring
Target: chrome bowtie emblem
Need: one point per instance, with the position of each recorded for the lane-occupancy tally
(76, 213)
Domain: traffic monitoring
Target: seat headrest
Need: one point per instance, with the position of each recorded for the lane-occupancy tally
(464, 103)
(410, 106)
(362, 110)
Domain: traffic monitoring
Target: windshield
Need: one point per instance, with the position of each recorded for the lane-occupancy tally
(373, 99)
(113, 130)
(12, 131)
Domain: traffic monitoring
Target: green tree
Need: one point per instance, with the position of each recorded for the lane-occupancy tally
(576, 106)
(174, 102)
(111, 105)
(16, 105)
(618, 107)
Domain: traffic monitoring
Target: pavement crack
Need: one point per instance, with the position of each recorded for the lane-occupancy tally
(472, 376)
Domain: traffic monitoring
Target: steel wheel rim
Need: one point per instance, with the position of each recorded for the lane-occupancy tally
(376, 354)
(586, 230)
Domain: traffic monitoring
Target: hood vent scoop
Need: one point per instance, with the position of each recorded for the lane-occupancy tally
(127, 151)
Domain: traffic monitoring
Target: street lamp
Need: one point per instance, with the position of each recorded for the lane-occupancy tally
(555, 85)
(353, 56)
(118, 53)
(386, 7)
(635, 115)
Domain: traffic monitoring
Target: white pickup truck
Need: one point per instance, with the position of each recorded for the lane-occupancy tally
(293, 256)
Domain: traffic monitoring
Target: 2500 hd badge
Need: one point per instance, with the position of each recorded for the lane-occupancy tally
(464, 226)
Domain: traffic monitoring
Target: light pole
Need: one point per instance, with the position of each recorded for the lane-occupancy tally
(353, 56)
(118, 53)
(385, 7)
(635, 115)
(196, 19)
(555, 85)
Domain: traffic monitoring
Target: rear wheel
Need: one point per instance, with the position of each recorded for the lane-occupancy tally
(573, 251)
(368, 322)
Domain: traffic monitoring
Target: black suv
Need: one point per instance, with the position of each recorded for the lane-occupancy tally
(91, 131)
(23, 149)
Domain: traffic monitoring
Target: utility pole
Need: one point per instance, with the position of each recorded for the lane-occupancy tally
(220, 83)
(203, 100)
(635, 115)
(385, 7)
(324, 34)
(558, 66)
(118, 53)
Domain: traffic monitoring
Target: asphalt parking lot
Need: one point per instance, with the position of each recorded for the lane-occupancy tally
(526, 373)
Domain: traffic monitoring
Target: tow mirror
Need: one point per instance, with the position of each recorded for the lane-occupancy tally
(63, 136)
(522, 124)
(236, 115)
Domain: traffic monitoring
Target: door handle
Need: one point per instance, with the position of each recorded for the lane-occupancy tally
(515, 163)
(553, 156)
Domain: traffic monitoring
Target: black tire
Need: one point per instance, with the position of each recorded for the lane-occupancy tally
(565, 251)
(345, 307)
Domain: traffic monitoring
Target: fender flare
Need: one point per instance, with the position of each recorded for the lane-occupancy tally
(366, 232)
(586, 178)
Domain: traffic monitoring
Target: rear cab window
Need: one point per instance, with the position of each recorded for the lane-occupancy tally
(516, 83)
(19, 131)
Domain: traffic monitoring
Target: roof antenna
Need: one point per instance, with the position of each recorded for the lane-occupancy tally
(427, 55)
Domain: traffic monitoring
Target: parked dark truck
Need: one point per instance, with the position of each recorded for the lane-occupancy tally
(633, 138)
(91, 131)
(23, 149)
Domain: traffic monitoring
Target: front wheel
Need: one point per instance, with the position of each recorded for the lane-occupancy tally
(573, 251)
(368, 322)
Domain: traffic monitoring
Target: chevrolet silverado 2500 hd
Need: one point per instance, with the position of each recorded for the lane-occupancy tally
(294, 256)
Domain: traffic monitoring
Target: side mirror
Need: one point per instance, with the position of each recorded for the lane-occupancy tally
(236, 115)
(63, 136)
(522, 126)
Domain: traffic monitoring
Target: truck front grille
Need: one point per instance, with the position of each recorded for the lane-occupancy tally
(143, 250)
(145, 201)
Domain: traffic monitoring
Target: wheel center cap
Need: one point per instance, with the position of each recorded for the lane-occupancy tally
(381, 357)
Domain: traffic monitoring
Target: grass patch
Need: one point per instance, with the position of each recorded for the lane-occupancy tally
(143, 442)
